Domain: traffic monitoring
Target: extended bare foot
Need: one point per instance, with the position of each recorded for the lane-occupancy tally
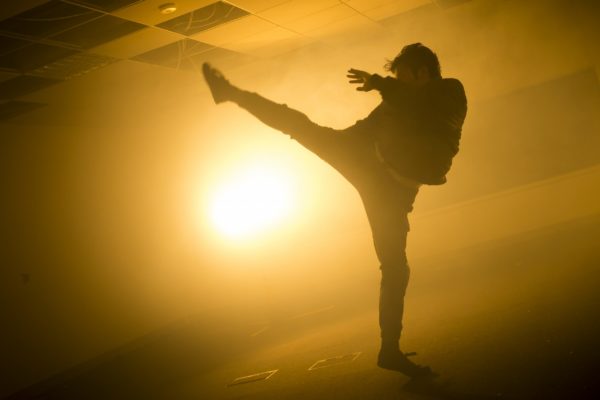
(220, 88)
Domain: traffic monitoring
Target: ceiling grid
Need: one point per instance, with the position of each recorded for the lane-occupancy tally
(49, 41)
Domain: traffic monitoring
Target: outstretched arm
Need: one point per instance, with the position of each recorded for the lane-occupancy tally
(392, 90)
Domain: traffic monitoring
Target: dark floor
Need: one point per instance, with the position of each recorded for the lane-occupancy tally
(517, 319)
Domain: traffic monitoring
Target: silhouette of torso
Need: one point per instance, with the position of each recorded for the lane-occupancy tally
(417, 129)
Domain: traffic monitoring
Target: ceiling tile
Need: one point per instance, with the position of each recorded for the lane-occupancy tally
(13, 108)
(47, 19)
(449, 3)
(394, 8)
(295, 9)
(73, 66)
(33, 56)
(136, 43)
(255, 6)
(5, 75)
(24, 84)
(175, 55)
(203, 18)
(188, 54)
(98, 31)
(12, 8)
(269, 43)
(322, 18)
(222, 58)
(362, 5)
(106, 5)
(9, 44)
(234, 30)
(343, 27)
(147, 12)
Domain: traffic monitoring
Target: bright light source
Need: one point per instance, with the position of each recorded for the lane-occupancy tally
(251, 202)
(167, 8)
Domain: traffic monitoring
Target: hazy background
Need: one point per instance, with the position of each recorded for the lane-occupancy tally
(105, 231)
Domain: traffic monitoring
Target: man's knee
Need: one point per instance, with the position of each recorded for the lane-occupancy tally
(291, 121)
(392, 257)
(395, 276)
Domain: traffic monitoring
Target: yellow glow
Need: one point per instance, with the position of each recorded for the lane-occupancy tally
(251, 202)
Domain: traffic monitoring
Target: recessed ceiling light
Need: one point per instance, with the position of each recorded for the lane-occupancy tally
(167, 8)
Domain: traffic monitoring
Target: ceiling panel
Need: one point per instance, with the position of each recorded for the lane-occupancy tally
(394, 8)
(345, 26)
(449, 3)
(147, 12)
(255, 6)
(136, 43)
(98, 31)
(203, 18)
(105, 5)
(11, 8)
(47, 19)
(188, 54)
(295, 9)
(73, 66)
(13, 108)
(223, 58)
(9, 44)
(269, 43)
(322, 18)
(33, 56)
(234, 30)
(363, 5)
(24, 84)
(5, 75)
(178, 55)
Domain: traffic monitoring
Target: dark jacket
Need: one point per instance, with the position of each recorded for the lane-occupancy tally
(417, 129)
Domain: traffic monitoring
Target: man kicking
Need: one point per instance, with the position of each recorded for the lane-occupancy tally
(408, 140)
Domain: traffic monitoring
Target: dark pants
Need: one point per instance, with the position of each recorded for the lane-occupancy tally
(386, 202)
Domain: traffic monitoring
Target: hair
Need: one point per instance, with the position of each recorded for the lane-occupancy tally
(416, 56)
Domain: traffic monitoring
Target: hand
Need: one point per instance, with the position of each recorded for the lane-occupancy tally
(358, 76)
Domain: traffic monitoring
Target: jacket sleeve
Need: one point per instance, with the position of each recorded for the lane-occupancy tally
(393, 91)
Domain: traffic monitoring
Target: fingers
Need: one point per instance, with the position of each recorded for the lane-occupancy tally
(355, 78)
(358, 72)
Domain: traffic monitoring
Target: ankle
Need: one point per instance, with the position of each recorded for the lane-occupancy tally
(235, 94)
(390, 346)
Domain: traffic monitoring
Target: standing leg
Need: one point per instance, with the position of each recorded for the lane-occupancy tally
(387, 212)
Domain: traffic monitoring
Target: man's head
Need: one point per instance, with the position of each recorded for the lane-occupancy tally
(415, 65)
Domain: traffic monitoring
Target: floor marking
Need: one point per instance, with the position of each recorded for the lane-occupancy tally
(309, 313)
(261, 376)
(328, 362)
(258, 332)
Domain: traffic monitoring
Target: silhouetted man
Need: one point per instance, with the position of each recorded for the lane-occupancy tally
(409, 139)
